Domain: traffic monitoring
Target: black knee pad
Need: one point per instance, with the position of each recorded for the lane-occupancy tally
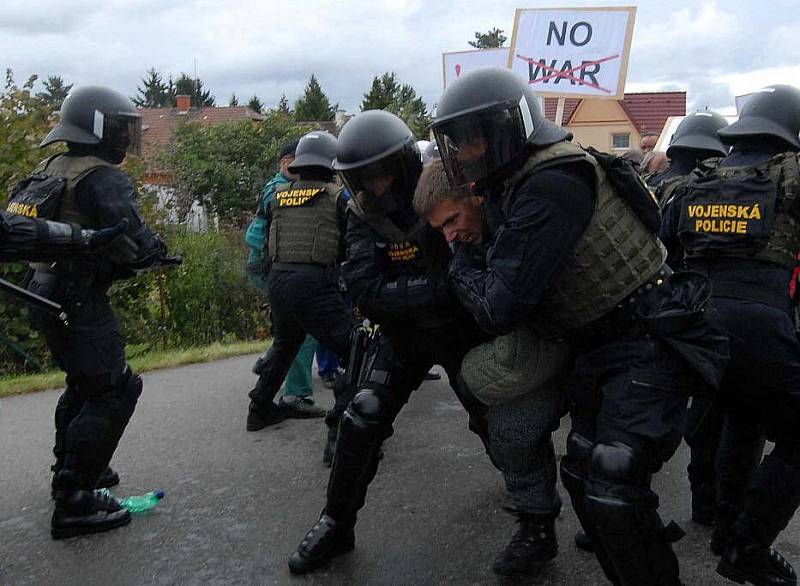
(617, 463)
(129, 389)
(361, 421)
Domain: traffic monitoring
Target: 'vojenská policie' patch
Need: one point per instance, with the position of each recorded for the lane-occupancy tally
(297, 197)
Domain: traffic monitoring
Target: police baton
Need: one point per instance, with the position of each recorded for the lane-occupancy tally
(35, 300)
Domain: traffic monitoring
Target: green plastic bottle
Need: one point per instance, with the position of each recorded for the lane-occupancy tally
(137, 503)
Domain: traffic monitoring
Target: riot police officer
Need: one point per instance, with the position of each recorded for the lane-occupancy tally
(306, 223)
(396, 274)
(737, 221)
(695, 140)
(99, 126)
(569, 256)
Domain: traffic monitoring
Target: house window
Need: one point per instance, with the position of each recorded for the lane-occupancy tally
(621, 140)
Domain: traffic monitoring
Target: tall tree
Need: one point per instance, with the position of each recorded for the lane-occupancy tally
(383, 91)
(55, 90)
(154, 93)
(188, 86)
(314, 105)
(489, 40)
(255, 104)
(386, 93)
(234, 101)
(283, 106)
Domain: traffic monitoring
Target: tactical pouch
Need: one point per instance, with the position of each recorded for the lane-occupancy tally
(37, 196)
(513, 365)
(677, 312)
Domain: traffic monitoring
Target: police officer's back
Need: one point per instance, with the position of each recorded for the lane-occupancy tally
(737, 221)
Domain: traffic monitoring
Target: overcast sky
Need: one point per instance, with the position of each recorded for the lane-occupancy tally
(712, 49)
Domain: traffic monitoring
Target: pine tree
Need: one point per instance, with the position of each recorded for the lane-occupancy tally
(283, 105)
(314, 105)
(234, 101)
(187, 86)
(54, 92)
(255, 104)
(489, 40)
(384, 89)
(154, 93)
(386, 93)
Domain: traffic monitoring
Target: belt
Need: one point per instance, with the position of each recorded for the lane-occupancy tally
(620, 320)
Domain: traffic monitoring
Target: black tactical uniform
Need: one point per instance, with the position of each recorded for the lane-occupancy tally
(99, 126)
(396, 274)
(306, 230)
(737, 221)
(572, 259)
(696, 140)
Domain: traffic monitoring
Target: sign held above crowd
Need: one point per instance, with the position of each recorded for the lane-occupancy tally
(457, 63)
(573, 52)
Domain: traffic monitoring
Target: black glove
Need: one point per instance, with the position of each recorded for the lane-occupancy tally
(99, 239)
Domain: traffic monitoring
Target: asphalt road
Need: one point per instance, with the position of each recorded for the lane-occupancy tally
(238, 503)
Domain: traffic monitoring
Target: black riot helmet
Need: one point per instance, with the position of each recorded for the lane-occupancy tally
(94, 115)
(485, 120)
(698, 132)
(772, 111)
(315, 149)
(377, 153)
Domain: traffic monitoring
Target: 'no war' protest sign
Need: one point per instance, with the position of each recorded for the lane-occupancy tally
(573, 52)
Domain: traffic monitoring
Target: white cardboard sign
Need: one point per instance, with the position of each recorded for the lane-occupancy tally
(458, 63)
(573, 52)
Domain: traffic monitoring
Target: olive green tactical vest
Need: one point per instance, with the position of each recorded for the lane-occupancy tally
(303, 227)
(613, 257)
(784, 241)
(73, 169)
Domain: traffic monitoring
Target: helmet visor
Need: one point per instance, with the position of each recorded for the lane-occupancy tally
(120, 132)
(476, 144)
(396, 174)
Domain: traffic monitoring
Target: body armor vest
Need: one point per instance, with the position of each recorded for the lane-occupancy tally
(743, 212)
(614, 256)
(73, 169)
(404, 250)
(304, 227)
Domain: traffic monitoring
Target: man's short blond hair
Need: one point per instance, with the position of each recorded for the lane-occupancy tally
(433, 187)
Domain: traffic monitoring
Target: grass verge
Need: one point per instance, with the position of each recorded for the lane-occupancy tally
(27, 383)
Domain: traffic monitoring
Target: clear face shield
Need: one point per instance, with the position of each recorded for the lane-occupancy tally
(121, 133)
(474, 145)
(395, 174)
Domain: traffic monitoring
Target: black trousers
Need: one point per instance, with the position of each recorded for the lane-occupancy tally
(303, 302)
(628, 401)
(760, 390)
(101, 392)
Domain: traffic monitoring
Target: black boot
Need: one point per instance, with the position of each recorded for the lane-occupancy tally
(107, 479)
(326, 540)
(532, 546)
(259, 417)
(757, 564)
(583, 542)
(81, 512)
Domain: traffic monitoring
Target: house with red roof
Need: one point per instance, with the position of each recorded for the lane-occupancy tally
(617, 125)
(158, 126)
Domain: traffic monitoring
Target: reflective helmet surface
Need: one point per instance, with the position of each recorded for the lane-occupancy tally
(484, 120)
(698, 131)
(95, 115)
(772, 111)
(315, 149)
(377, 145)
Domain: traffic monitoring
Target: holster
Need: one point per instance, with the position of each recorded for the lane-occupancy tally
(679, 314)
